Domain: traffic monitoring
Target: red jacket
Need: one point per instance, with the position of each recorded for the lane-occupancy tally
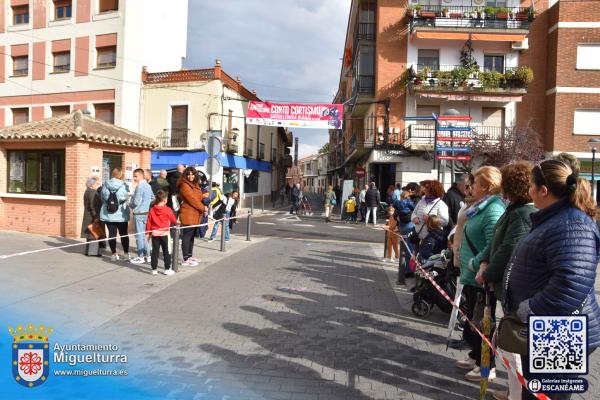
(160, 217)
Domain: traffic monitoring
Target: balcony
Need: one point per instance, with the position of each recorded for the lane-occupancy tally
(470, 18)
(366, 31)
(421, 137)
(455, 78)
(173, 138)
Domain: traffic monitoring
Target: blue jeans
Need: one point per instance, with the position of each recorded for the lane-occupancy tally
(216, 226)
(140, 236)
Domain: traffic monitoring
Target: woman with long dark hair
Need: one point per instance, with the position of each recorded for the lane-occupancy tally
(553, 268)
(189, 212)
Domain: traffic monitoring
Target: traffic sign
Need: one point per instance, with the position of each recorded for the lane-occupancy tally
(212, 166)
(453, 149)
(454, 129)
(453, 139)
(455, 158)
(454, 118)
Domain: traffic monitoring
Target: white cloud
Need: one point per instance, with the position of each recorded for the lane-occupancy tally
(288, 50)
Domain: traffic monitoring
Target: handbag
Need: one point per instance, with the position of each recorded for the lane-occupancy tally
(96, 230)
(333, 202)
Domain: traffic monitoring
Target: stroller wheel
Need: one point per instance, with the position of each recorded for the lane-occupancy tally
(420, 308)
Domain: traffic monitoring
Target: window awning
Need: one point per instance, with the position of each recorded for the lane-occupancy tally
(488, 37)
(169, 160)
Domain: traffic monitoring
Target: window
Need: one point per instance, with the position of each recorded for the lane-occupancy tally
(20, 65)
(588, 56)
(249, 147)
(429, 58)
(58, 111)
(62, 9)
(108, 5)
(495, 3)
(105, 112)
(261, 151)
(492, 117)
(20, 15)
(20, 115)
(37, 172)
(493, 63)
(251, 183)
(586, 122)
(62, 62)
(179, 126)
(107, 57)
(273, 154)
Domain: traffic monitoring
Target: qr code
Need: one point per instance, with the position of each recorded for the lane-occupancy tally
(558, 344)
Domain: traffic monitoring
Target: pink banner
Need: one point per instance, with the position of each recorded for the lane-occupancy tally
(323, 116)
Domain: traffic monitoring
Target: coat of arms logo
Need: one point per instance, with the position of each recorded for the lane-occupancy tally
(30, 354)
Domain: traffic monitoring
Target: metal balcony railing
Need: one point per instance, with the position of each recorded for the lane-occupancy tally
(366, 31)
(447, 16)
(173, 138)
(434, 67)
(364, 84)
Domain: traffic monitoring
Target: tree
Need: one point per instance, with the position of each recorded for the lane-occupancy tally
(466, 56)
(324, 149)
(512, 145)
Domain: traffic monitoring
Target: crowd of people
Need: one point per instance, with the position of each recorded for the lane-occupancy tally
(524, 235)
(152, 209)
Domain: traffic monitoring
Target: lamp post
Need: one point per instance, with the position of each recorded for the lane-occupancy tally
(592, 143)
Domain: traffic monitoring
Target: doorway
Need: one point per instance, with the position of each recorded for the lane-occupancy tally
(110, 161)
(383, 175)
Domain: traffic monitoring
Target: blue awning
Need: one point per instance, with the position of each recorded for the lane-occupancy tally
(169, 160)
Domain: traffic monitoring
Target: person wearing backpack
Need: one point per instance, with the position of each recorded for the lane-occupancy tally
(115, 212)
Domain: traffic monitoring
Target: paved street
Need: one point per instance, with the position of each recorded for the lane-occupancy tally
(304, 311)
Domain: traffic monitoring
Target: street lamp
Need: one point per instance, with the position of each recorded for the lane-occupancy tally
(592, 143)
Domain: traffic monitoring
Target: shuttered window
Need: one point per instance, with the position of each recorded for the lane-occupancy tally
(20, 115)
(105, 112)
(492, 117)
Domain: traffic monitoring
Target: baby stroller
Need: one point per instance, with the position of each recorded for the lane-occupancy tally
(305, 207)
(426, 296)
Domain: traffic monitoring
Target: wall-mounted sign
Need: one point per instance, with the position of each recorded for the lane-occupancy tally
(323, 116)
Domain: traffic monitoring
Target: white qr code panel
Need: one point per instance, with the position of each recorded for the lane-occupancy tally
(558, 344)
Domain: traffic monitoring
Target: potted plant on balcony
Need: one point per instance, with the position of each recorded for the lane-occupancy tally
(490, 12)
(480, 14)
(445, 12)
(531, 14)
(443, 78)
(521, 16)
(490, 79)
(418, 7)
(502, 13)
(522, 76)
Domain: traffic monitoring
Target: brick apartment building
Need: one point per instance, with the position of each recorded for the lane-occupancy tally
(410, 59)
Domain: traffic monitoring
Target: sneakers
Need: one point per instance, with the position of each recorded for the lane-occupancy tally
(194, 259)
(385, 260)
(467, 363)
(475, 374)
(500, 394)
(210, 240)
(114, 257)
(169, 272)
(189, 263)
(138, 260)
(154, 272)
(148, 259)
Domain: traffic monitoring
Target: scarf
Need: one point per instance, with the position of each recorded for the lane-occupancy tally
(430, 199)
(479, 204)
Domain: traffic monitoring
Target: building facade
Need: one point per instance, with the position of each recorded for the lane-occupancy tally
(57, 56)
(180, 107)
(494, 61)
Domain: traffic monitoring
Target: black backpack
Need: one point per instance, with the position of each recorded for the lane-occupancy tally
(112, 204)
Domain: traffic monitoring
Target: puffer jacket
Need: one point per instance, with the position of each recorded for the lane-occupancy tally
(122, 191)
(553, 268)
(480, 230)
(192, 206)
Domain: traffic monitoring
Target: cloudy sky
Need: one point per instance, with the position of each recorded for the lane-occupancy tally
(288, 50)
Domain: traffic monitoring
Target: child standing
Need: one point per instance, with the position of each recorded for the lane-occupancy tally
(159, 222)
(351, 209)
(392, 238)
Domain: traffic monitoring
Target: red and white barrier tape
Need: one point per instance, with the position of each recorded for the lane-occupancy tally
(519, 376)
(179, 227)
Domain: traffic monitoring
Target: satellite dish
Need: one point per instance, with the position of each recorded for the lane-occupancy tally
(212, 165)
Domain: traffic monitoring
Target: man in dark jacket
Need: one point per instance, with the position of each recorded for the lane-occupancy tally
(152, 182)
(454, 198)
(372, 200)
(173, 190)
(295, 198)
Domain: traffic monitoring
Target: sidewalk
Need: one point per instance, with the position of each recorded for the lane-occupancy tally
(79, 293)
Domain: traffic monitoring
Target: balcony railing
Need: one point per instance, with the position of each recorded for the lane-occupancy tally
(423, 135)
(366, 31)
(364, 84)
(173, 138)
(458, 78)
(446, 16)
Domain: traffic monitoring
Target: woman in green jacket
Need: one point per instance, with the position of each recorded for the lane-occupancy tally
(477, 237)
(511, 227)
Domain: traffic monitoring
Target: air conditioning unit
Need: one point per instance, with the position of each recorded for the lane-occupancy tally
(523, 45)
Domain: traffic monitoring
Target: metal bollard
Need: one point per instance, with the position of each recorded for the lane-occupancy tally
(223, 222)
(252, 204)
(248, 221)
(401, 277)
(175, 257)
(263, 203)
(385, 244)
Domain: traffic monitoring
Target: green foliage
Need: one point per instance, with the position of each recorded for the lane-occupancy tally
(490, 79)
(460, 75)
(524, 74)
(324, 149)
(418, 7)
(466, 55)
(489, 10)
